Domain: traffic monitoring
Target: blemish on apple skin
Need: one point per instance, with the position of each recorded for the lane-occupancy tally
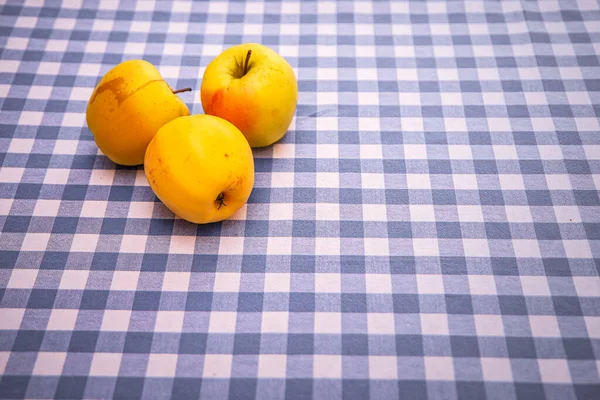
(216, 98)
(226, 155)
(239, 181)
(116, 86)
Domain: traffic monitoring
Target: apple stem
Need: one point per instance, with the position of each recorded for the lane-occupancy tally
(247, 61)
(187, 89)
(221, 200)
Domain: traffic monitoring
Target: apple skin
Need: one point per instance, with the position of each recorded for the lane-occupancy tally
(126, 109)
(261, 103)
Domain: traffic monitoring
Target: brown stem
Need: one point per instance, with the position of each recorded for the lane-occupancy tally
(187, 89)
(221, 200)
(247, 61)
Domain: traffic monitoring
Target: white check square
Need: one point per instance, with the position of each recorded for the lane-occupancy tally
(558, 182)
(470, 213)
(422, 212)
(544, 326)
(282, 179)
(425, 247)
(33, 118)
(102, 177)
(592, 325)
(587, 286)
(327, 247)
(369, 124)
(430, 284)
(11, 175)
(554, 371)
(175, 281)
(511, 182)
(488, 325)
(482, 284)
(66, 146)
(326, 282)
(439, 368)
(135, 244)
(327, 150)
(327, 212)
(374, 212)
(22, 278)
(518, 214)
(376, 246)
(327, 366)
(6, 205)
(10, 318)
(328, 322)
(535, 285)
(106, 364)
(372, 181)
(49, 363)
(418, 181)
(274, 322)
(383, 367)
(74, 279)
(505, 152)
(4, 356)
(22, 146)
(169, 321)
(231, 245)
(279, 245)
(281, 211)
(381, 324)
(464, 181)
(227, 282)
(434, 324)
(526, 248)
(378, 283)
(125, 280)
(577, 249)
(460, 152)
(222, 322)
(84, 242)
(115, 320)
(94, 208)
(272, 365)
(182, 244)
(217, 365)
(62, 319)
(496, 369)
(277, 282)
(161, 365)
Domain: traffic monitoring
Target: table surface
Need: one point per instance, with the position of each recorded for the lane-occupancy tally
(429, 227)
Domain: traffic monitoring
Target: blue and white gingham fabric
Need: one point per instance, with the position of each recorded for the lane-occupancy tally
(429, 228)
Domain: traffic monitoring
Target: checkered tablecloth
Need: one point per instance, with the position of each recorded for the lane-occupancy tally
(429, 227)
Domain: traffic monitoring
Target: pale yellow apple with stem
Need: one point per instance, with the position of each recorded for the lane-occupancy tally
(255, 89)
(128, 106)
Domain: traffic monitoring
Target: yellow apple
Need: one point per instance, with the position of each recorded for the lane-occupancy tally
(128, 106)
(201, 167)
(254, 88)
